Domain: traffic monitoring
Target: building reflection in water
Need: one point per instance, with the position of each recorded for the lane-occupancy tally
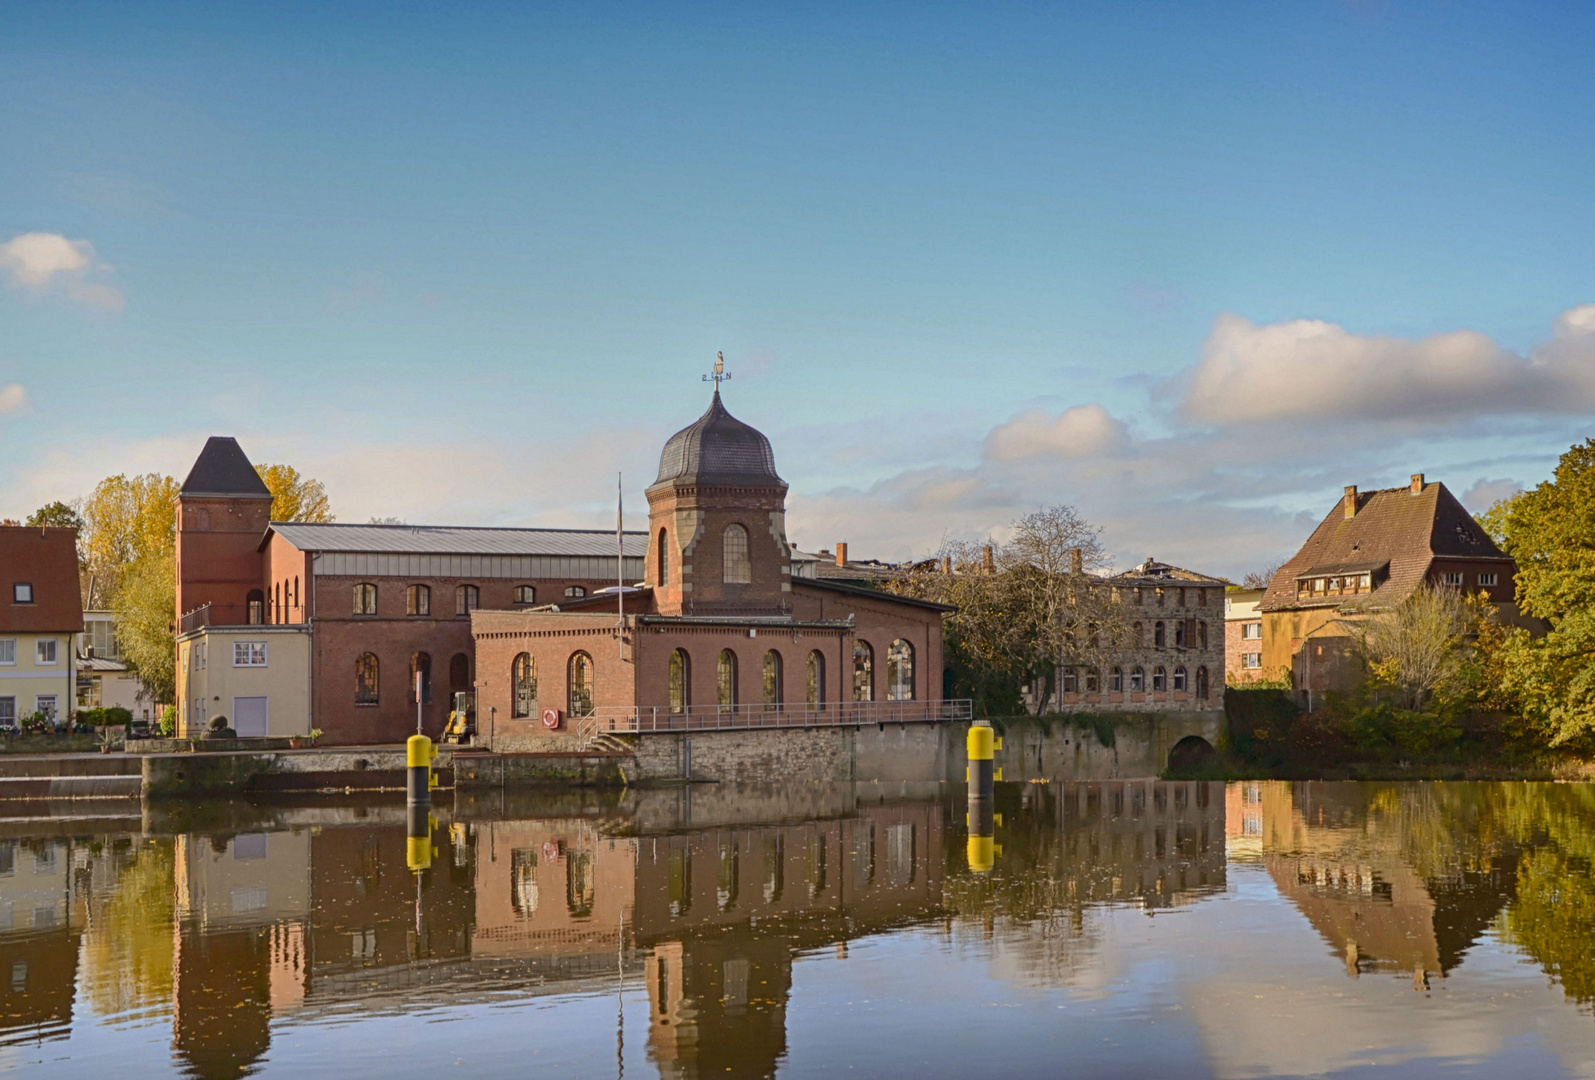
(700, 903)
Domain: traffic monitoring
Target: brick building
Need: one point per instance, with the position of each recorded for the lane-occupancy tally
(720, 631)
(1373, 550)
(1243, 636)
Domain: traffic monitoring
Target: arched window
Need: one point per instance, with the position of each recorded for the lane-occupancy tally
(1093, 681)
(579, 700)
(680, 682)
(255, 603)
(421, 663)
(276, 603)
(1201, 634)
(1179, 635)
(575, 592)
(1160, 679)
(418, 600)
(525, 595)
(725, 680)
(1137, 679)
(1158, 633)
(365, 599)
(663, 576)
(296, 593)
(467, 598)
(459, 673)
(1201, 682)
(1071, 681)
(772, 679)
(1179, 680)
(738, 569)
(863, 671)
(365, 680)
(579, 884)
(523, 678)
(814, 692)
(1116, 680)
(900, 671)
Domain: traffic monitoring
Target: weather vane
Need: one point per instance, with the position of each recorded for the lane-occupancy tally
(720, 372)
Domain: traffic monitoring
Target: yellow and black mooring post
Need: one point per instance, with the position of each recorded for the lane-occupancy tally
(981, 776)
(419, 754)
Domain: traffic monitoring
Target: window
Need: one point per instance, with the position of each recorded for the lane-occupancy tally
(1487, 579)
(1160, 679)
(255, 607)
(575, 592)
(579, 699)
(45, 703)
(1252, 660)
(418, 600)
(663, 577)
(1201, 597)
(525, 594)
(8, 712)
(1179, 680)
(523, 677)
(1364, 581)
(725, 680)
(772, 679)
(248, 654)
(1140, 598)
(44, 651)
(900, 671)
(1160, 597)
(815, 690)
(22, 593)
(1179, 635)
(421, 670)
(1252, 631)
(460, 673)
(863, 671)
(296, 594)
(276, 603)
(365, 599)
(1158, 634)
(1201, 634)
(738, 570)
(8, 650)
(1071, 681)
(1182, 598)
(365, 680)
(680, 682)
(467, 598)
(1201, 682)
(1137, 679)
(1093, 681)
(1453, 577)
(1116, 680)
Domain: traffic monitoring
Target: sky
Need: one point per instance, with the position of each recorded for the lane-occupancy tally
(1188, 268)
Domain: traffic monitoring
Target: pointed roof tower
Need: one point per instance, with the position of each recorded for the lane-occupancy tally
(223, 469)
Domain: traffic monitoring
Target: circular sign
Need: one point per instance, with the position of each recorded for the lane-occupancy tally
(551, 718)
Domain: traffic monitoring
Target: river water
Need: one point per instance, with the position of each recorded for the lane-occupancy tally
(1124, 929)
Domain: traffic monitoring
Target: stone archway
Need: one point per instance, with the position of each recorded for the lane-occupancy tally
(1189, 752)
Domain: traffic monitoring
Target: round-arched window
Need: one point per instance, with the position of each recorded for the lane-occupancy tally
(863, 671)
(738, 566)
(680, 682)
(1179, 679)
(725, 680)
(772, 679)
(1160, 679)
(579, 698)
(523, 676)
(814, 692)
(900, 671)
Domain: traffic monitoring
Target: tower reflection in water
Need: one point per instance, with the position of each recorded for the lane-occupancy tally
(699, 903)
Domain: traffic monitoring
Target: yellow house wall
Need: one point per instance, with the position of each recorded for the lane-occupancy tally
(26, 679)
(284, 681)
(1283, 634)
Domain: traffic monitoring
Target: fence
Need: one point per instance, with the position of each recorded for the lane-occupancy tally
(644, 719)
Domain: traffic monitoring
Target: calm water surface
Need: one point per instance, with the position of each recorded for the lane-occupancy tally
(1126, 929)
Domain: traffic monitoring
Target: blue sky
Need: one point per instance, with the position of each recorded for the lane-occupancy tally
(1180, 265)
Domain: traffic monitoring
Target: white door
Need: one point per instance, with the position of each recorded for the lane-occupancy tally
(249, 716)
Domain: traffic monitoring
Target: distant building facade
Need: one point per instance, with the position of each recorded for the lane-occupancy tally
(1243, 636)
(1373, 550)
(41, 615)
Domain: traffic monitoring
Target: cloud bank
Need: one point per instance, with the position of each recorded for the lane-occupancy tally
(44, 263)
(13, 398)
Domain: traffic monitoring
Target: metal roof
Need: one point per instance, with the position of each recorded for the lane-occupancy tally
(223, 468)
(453, 540)
(718, 448)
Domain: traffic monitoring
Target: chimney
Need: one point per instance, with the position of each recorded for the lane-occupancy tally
(1076, 561)
(1417, 483)
(946, 564)
(1348, 501)
(987, 562)
(841, 553)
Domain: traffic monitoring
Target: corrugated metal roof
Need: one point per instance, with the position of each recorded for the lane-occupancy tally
(451, 540)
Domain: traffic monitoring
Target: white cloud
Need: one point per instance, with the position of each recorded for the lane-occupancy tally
(1082, 431)
(1309, 369)
(1486, 493)
(13, 397)
(40, 261)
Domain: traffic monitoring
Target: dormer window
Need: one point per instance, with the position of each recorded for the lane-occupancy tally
(22, 592)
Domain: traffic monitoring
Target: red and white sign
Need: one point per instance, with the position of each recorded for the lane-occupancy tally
(551, 718)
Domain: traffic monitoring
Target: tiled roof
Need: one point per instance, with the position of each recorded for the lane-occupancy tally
(222, 468)
(719, 448)
(452, 540)
(1152, 572)
(1407, 530)
(46, 559)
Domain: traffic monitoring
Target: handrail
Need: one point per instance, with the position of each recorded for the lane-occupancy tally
(640, 719)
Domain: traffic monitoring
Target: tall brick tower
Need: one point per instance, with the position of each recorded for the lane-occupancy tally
(717, 522)
(223, 509)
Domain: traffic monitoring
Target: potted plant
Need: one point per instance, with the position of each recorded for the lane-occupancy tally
(295, 742)
(315, 734)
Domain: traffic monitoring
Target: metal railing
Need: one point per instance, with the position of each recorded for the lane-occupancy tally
(194, 620)
(644, 719)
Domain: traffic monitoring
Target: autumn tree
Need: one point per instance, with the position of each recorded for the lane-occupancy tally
(56, 515)
(1421, 647)
(295, 497)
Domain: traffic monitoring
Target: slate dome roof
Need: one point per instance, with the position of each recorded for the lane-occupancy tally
(718, 448)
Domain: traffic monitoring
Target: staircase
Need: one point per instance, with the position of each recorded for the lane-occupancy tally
(594, 741)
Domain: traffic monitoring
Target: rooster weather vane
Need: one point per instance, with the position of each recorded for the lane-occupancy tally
(720, 372)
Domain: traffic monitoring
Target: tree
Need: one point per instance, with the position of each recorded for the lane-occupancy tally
(1261, 579)
(1420, 647)
(145, 602)
(1493, 520)
(295, 497)
(1550, 531)
(56, 515)
(127, 520)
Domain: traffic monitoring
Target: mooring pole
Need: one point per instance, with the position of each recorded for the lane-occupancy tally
(981, 776)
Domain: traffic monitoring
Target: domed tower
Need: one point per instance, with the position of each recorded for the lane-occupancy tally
(717, 518)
